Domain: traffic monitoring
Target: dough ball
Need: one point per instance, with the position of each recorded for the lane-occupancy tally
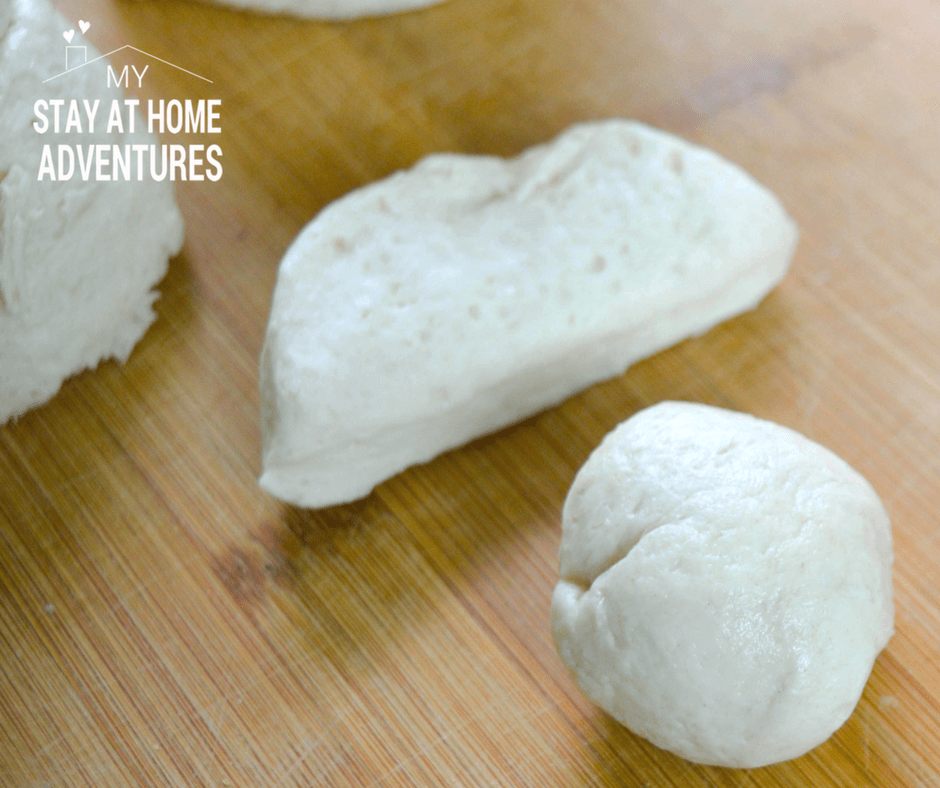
(725, 584)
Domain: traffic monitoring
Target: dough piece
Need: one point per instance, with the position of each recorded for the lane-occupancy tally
(725, 584)
(448, 301)
(78, 258)
(331, 9)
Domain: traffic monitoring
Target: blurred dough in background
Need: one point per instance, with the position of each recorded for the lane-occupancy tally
(330, 9)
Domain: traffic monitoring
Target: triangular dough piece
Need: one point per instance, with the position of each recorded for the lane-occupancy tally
(78, 258)
(460, 296)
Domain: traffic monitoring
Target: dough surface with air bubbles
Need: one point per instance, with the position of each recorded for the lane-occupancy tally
(449, 300)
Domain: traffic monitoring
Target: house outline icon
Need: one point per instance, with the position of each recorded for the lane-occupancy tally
(126, 46)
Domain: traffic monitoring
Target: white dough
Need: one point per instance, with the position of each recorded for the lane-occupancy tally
(725, 584)
(78, 258)
(458, 297)
(331, 9)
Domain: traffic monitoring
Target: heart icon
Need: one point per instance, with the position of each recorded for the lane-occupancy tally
(69, 35)
(83, 25)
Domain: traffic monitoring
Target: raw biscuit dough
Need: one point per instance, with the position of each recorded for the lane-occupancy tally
(458, 297)
(331, 9)
(725, 584)
(78, 259)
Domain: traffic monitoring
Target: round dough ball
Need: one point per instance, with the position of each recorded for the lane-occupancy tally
(725, 584)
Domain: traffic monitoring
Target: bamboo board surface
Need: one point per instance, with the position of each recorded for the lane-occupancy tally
(163, 622)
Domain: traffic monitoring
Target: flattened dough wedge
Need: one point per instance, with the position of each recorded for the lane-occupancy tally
(453, 299)
(78, 257)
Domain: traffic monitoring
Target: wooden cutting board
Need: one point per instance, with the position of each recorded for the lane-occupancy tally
(163, 622)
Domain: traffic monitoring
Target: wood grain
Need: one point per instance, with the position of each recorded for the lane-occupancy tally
(163, 622)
